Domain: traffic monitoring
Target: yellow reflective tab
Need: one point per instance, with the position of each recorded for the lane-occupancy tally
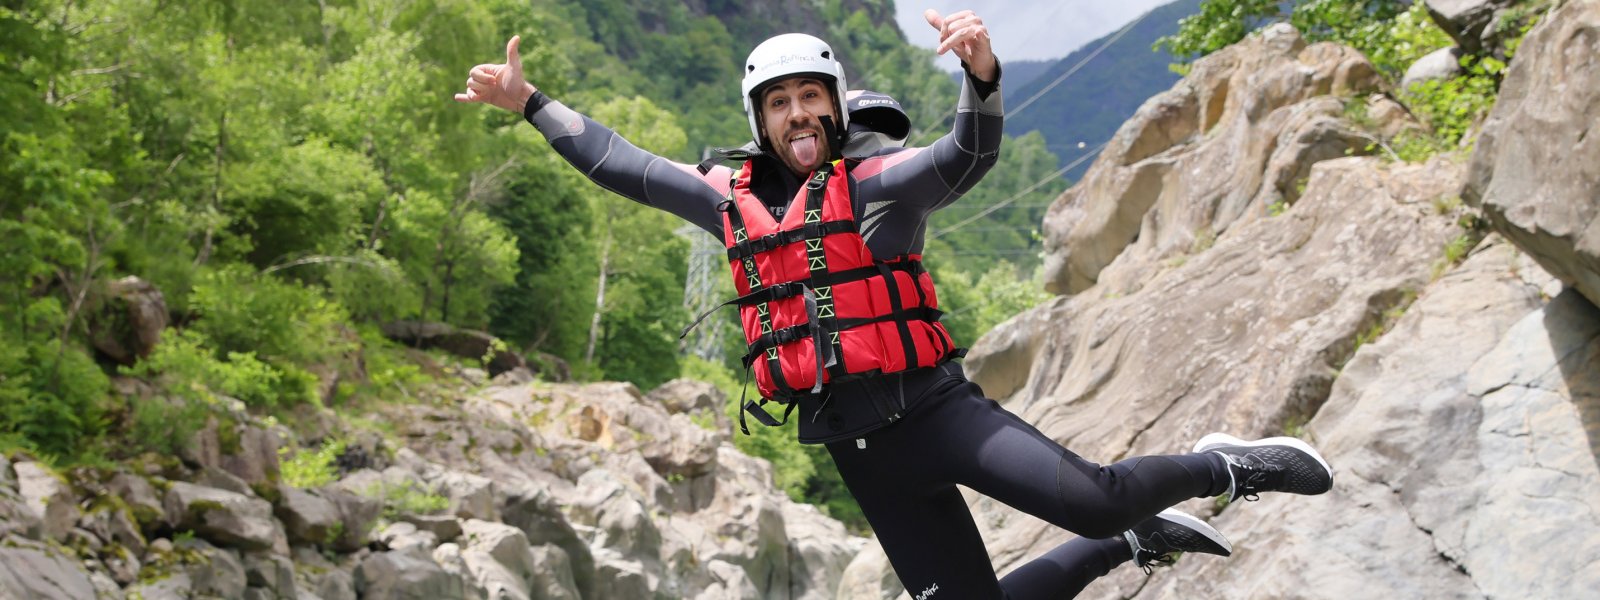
(817, 264)
(814, 216)
(824, 312)
(772, 354)
(814, 245)
(824, 292)
(739, 236)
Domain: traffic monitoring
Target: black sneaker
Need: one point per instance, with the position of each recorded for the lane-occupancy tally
(1154, 540)
(1278, 464)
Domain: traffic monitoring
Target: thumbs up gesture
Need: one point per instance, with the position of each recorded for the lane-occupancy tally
(965, 34)
(500, 85)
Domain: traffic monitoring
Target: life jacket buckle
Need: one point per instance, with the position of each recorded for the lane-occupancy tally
(817, 181)
(768, 242)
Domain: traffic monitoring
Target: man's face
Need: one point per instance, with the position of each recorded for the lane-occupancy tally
(790, 113)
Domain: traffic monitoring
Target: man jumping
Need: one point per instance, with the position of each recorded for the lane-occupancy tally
(843, 326)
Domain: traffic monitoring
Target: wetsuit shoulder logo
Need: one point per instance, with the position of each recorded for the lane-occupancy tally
(928, 593)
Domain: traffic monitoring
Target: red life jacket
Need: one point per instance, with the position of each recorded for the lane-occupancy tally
(810, 281)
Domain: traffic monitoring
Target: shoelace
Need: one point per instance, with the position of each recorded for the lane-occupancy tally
(1148, 559)
(1256, 471)
(1148, 564)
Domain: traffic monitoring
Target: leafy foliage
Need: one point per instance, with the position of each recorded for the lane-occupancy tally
(310, 469)
(1393, 34)
(293, 176)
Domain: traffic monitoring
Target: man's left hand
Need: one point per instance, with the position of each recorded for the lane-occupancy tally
(965, 34)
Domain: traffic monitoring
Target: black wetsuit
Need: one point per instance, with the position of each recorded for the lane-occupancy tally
(902, 442)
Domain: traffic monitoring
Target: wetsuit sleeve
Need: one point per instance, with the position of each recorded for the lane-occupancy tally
(925, 179)
(617, 165)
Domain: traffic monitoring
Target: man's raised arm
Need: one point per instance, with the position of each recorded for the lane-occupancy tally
(933, 177)
(598, 152)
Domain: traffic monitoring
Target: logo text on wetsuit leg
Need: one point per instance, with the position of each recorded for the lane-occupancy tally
(928, 593)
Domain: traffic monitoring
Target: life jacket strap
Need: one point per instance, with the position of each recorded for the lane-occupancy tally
(794, 236)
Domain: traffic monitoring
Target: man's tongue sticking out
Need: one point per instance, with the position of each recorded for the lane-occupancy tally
(805, 150)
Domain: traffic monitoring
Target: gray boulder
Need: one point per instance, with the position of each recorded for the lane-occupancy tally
(175, 586)
(618, 515)
(114, 523)
(819, 551)
(402, 535)
(254, 456)
(701, 401)
(471, 496)
(1444, 63)
(216, 572)
(1468, 22)
(552, 574)
(534, 511)
(444, 528)
(271, 574)
(141, 497)
(465, 343)
(224, 517)
(307, 517)
(1535, 173)
(215, 477)
(49, 497)
(357, 514)
(33, 570)
(129, 324)
(409, 574)
(869, 577)
(498, 559)
(620, 578)
(16, 517)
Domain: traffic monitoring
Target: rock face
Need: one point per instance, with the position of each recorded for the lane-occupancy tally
(130, 324)
(1469, 22)
(1536, 171)
(33, 570)
(1188, 166)
(1457, 397)
(1507, 469)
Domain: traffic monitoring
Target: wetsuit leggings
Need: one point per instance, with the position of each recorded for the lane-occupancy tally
(905, 480)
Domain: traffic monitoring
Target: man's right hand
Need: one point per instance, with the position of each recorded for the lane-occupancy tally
(500, 85)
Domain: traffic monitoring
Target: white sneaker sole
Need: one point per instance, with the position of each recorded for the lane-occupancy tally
(1216, 440)
(1200, 527)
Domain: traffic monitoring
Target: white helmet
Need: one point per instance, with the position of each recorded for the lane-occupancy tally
(785, 56)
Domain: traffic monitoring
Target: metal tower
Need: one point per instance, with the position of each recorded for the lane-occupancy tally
(700, 294)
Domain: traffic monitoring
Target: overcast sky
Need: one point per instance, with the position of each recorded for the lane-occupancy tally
(1026, 29)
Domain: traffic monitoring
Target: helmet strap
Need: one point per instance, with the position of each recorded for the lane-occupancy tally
(836, 140)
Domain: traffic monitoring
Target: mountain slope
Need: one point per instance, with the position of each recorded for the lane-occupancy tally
(1090, 104)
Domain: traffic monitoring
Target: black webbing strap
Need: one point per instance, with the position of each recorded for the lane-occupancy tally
(919, 313)
(894, 307)
(753, 279)
(784, 238)
(916, 272)
(824, 336)
(766, 294)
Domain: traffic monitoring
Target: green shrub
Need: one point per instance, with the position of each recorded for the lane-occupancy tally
(53, 398)
(185, 365)
(242, 311)
(1450, 107)
(408, 498)
(311, 469)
